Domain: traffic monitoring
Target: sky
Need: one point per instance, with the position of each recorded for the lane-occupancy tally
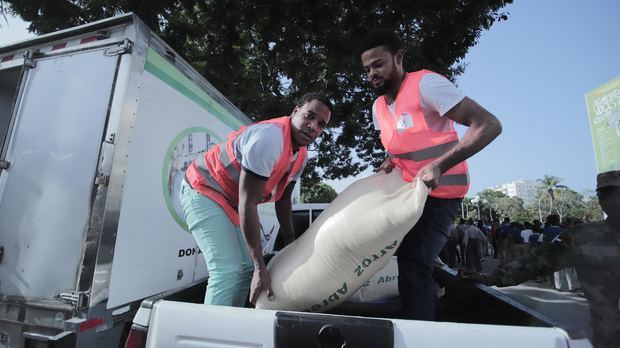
(13, 29)
(532, 72)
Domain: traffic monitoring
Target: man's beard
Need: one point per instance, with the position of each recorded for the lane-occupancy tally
(381, 90)
(389, 82)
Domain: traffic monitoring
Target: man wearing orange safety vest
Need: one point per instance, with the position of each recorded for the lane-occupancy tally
(415, 113)
(222, 188)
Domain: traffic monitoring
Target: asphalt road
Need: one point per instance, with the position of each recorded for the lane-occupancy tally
(568, 308)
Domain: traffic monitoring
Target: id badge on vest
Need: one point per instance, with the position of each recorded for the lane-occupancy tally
(404, 121)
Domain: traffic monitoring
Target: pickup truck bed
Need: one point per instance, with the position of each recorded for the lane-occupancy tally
(470, 314)
(178, 324)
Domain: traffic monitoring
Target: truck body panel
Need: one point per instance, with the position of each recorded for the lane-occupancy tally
(97, 125)
(171, 261)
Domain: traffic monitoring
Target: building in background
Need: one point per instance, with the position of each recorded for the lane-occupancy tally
(524, 189)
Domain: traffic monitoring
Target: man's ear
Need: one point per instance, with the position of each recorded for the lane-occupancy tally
(398, 56)
(294, 111)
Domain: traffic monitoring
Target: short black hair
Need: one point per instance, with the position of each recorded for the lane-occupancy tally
(308, 97)
(381, 37)
(553, 219)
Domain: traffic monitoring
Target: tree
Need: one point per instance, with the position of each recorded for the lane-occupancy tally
(569, 204)
(490, 208)
(592, 210)
(467, 209)
(577, 206)
(493, 205)
(547, 186)
(317, 193)
(264, 54)
(496, 205)
(513, 207)
(2, 13)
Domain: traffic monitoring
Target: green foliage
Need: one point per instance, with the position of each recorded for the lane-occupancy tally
(490, 204)
(513, 207)
(572, 205)
(317, 193)
(567, 204)
(548, 186)
(592, 210)
(264, 54)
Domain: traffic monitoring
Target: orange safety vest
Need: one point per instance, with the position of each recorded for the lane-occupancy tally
(412, 148)
(216, 173)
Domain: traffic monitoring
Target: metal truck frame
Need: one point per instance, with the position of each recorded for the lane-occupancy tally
(97, 124)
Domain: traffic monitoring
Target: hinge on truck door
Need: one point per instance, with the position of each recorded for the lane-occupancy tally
(75, 298)
(102, 180)
(29, 58)
(124, 47)
(4, 164)
(110, 139)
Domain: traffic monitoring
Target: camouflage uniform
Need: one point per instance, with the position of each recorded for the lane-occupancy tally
(594, 250)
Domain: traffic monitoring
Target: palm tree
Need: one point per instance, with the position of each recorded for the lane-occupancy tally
(549, 183)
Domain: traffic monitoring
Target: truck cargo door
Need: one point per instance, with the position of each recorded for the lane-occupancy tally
(53, 149)
(9, 83)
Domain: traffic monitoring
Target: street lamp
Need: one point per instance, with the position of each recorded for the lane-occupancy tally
(476, 200)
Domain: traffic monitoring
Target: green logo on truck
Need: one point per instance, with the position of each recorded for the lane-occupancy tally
(182, 151)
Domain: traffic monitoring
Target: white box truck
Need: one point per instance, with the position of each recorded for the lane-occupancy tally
(97, 124)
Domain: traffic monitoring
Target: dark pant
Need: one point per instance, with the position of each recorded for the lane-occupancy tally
(473, 255)
(416, 256)
(450, 252)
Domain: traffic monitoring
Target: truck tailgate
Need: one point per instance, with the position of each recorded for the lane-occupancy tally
(179, 324)
(426, 334)
(190, 325)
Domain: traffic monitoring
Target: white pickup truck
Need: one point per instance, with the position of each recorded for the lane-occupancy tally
(472, 316)
(469, 314)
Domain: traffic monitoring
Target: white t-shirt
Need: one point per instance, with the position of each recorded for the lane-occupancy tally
(525, 234)
(437, 96)
(259, 148)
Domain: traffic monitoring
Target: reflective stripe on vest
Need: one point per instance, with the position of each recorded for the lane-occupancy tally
(427, 153)
(418, 145)
(230, 168)
(210, 181)
(454, 180)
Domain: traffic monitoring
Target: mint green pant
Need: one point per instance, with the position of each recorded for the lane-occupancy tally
(221, 242)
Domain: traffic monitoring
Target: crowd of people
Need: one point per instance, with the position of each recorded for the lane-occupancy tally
(592, 250)
(470, 243)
